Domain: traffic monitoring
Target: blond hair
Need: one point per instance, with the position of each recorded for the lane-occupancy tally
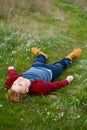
(15, 97)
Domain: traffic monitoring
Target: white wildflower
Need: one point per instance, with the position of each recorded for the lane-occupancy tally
(1, 105)
(22, 119)
(48, 113)
(61, 114)
(78, 116)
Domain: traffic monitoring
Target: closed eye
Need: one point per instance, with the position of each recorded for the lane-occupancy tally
(20, 85)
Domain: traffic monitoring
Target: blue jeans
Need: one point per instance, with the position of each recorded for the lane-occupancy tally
(56, 67)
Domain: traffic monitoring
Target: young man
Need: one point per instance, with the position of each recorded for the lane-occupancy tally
(37, 80)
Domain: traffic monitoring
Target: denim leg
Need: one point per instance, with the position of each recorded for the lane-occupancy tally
(40, 60)
(65, 62)
(58, 67)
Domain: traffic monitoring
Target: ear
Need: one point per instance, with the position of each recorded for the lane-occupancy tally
(27, 90)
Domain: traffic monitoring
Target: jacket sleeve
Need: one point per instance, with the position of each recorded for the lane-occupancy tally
(11, 72)
(12, 76)
(44, 88)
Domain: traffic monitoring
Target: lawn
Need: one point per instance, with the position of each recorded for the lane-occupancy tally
(57, 30)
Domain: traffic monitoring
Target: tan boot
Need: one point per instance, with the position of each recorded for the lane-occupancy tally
(74, 54)
(36, 51)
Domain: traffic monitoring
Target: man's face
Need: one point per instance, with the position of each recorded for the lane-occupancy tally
(21, 85)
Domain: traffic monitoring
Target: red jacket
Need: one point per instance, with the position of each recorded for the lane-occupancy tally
(37, 87)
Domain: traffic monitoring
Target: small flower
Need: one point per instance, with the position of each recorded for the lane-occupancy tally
(48, 113)
(22, 119)
(1, 105)
(78, 116)
(61, 114)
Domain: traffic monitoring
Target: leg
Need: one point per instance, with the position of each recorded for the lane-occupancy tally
(41, 57)
(68, 60)
(59, 66)
(65, 62)
(40, 61)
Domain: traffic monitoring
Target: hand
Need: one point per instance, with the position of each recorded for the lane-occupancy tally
(11, 67)
(70, 78)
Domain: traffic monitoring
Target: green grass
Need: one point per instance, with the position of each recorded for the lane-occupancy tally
(64, 109)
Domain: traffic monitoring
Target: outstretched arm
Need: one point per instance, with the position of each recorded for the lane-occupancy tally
(44, 88)
(11, 70)
(12, 76)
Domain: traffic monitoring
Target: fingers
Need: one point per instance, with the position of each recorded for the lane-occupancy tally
(70, 78)
(11, 67)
